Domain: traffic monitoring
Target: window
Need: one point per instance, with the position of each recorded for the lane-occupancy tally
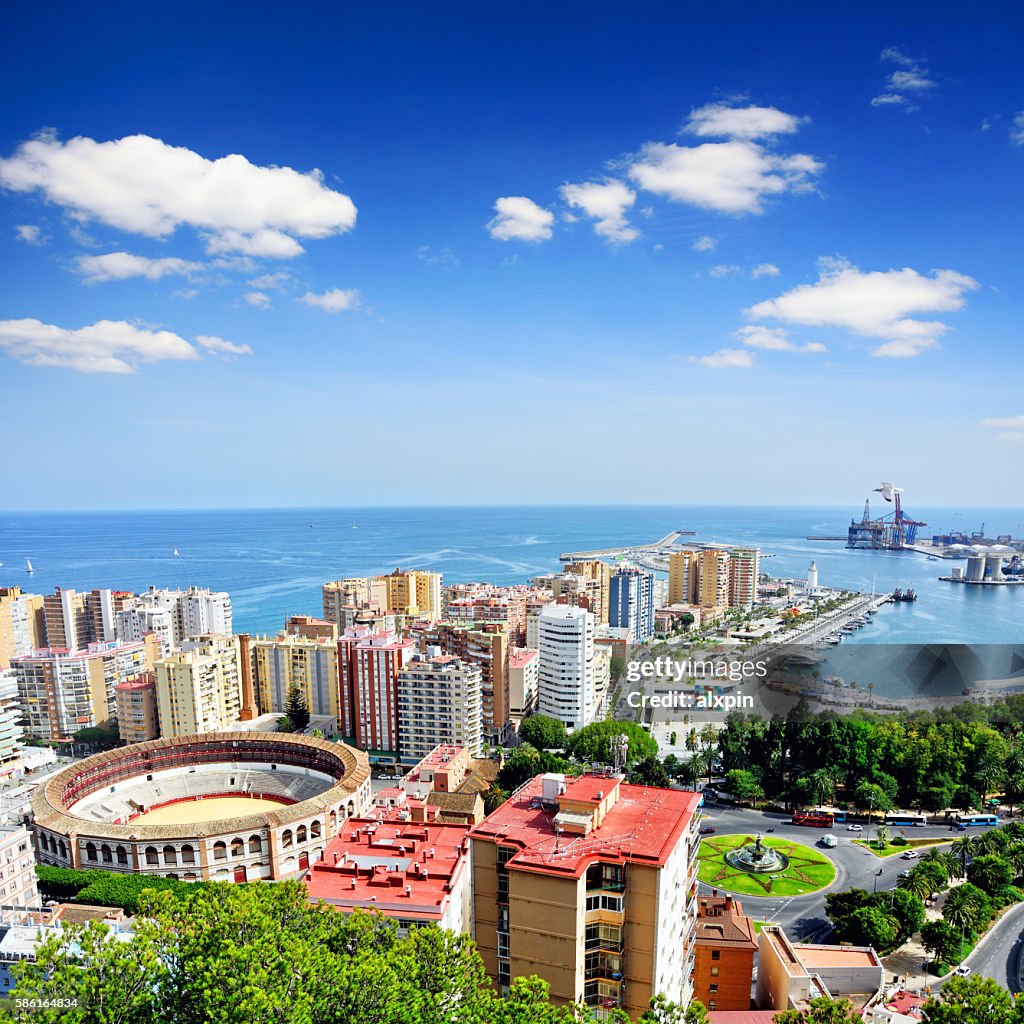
(713, 987)
(714, 972)
(716, 954)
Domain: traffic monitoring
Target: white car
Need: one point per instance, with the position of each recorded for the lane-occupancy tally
(854, 828)
(962, 972)
(910, 855)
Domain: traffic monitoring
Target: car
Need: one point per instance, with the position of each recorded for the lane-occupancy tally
(910, 855)
(854, 828)
(707, 830)
(962, 972)
(904, 874)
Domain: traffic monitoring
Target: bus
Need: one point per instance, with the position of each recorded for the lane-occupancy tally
(965, 821)
(815, 819)
(905, 818)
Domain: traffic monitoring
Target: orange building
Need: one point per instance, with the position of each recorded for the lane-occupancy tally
(725, 946)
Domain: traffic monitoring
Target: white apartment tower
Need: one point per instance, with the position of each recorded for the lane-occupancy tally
(565, 682)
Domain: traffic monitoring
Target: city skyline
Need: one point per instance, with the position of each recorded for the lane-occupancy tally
(755, 254)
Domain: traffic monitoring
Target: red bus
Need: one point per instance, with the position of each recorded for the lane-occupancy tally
(816, 819)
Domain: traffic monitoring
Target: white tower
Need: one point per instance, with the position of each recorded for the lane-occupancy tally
(812, 578)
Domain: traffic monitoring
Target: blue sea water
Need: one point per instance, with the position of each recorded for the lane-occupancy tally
(273, 561)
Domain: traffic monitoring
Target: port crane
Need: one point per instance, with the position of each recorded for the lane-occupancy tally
(896, 529)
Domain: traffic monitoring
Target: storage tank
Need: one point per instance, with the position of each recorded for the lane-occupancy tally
(976, 568)
(958, 572)
(994, 566)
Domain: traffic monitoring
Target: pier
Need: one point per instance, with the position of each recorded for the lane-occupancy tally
(640, 549)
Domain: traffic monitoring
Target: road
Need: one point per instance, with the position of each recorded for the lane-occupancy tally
(997, 956)
(804, 916)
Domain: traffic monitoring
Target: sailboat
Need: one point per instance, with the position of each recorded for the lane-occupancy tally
(28, 566)
(177, 553)
(354, 527)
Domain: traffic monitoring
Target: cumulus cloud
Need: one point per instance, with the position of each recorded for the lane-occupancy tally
(906, 83)
(108, 346)
(223, 348)
(773, 339)
(876, 304)
(29, 233)
(118, 266)
(520, 218)
(1017, 130)
(765, 270)
(259, 300)
(145, 186)
(334, 300)
(727, 359)
(705, 243)
(724, 270)
(607, 204)
(731, 177)
(721, 119)
(276, 281)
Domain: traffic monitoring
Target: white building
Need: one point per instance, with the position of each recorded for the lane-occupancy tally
(523, 676)
(439, 702)
(204, 611)
(10, 731)
(565, 681)
(18, 890)
(175, 615)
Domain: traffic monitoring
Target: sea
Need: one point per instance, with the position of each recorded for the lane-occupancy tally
(274, 561)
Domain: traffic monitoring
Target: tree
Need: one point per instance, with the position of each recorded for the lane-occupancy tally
(973, 1000)
(650, 772)
(918, 883)
(494, 798)
(543, 732)
(823, 785)
(822, 1010)
(872, 795)
(963, 850)
(296, 711)
(990, 872)
(942, 940)
(743, 785)
(663, 1011)
(617, 666)
(882, 835)
(967, 908)
(591, 743)
(871, 926)
(907, 909)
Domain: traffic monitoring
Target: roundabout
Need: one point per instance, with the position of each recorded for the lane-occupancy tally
(754, 866)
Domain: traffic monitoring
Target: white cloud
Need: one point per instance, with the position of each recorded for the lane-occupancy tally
(185, 293)
(1017, 130)
(765, 270)
(29, 233)
(705, 243)
(438, 257)
(334, 300)
(727, 359)
(520, 218)
(221, 347)
(1005, 422)
(143, 185)
(732, 177)
(275, 281)
(260, 300)
(741, 122)
(904, 85)
(607, 203)
(1011, 437)
(724, 270)
(108, 346)
(773, 339)
(877, 304)
(118, 266)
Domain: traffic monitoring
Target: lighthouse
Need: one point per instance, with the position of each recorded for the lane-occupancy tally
(812, 578)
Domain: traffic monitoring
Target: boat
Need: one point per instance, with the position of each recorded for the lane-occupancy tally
(177, 553)
(28, 566)
(354, 527)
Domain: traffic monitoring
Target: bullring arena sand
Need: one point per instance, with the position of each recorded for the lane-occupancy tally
(212, 808)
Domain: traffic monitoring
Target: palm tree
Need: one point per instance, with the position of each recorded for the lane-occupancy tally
(962, 906)
(963, 849)
(940, 859)
(917, 883)
(882, 835)
(990, 842)
(1015, 855)
(988, 778)
(823, 785)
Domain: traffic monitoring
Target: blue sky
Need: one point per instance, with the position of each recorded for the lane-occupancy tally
(552, 253)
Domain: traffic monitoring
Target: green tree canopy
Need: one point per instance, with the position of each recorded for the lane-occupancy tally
(591, 743)
(543, 732)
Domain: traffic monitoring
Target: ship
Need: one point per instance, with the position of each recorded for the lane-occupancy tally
(904, 595)
(893, 531)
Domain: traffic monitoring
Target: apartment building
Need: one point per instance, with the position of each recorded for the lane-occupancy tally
(594, 569)
(19, 892)
(590, 884)
(439, 703)
(63, 691)
(631, 597)
(309, 663)
(523, 677)
(683, 578)
(10, 727)
(199, 688)
(580, 592)
(724, 951)
(22, 624)
(565, 677)
(744, 568)
(713, 585)
(137, 714)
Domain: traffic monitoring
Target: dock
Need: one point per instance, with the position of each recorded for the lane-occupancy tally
(640, 549)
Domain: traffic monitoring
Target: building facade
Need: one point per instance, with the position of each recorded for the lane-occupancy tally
(523, 676)
(308, 663)
(724, 951)
(439, 703)
(631, 597)
(744, 568)
(565, 676)
(137, 715)
(199, 688)
(22, 624)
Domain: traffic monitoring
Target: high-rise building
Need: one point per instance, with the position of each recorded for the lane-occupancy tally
(414, 592)
(580, 592)
(565, 680)
(75, 620)
(631, 597)
(594, 569)
(726, 942)
(154, 611)
(344, 600)
(368, 667)
(10, 718)
(289, 660)
(590, 884)
(713, 587)
(683, 577)
(203, 611)
(19, 892)
(486, 645)
(137, 716)
(22, 624)
(63, 691)
(744, 567)
(311, 628)
(523, 674)
(199, 688)
(438, 703)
